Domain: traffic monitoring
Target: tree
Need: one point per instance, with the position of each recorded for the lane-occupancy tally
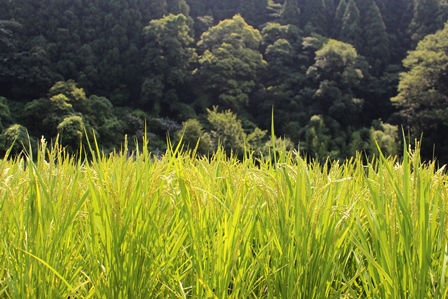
(167, 63)
(5, 114)
(386, 136)
(375, 38)
(223, 9)
(284, 80)
(46, 114)
(7, 29)
(336, 73)
(231, 63)
(253, 11)
(178, 7)
(15, 139)
(71, 131)
(423, 90)
(109, 129)
(193, 137)
(227, 131)
(197, 8)
(290, 13)
(317, 138)
(392, 12)
(234, 31)
(75, 96)
(283, 46)
(157, 8)
(423, 22)
(339, 15)
(442, 13)
(68, 112)
(330, 11)
(351, 25)
(314, 17)
(336, 61)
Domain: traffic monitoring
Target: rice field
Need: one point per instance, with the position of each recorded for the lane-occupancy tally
(184, 227)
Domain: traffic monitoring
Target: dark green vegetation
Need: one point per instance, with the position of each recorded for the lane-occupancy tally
(215, 70)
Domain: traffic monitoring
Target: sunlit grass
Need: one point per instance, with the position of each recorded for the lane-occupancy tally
(184, 227)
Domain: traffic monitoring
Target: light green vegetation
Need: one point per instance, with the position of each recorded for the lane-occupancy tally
(183, 227)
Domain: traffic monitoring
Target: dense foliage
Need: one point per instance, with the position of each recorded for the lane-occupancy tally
(327, 68)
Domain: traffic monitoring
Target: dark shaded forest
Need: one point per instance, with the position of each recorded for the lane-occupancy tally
(339, 76)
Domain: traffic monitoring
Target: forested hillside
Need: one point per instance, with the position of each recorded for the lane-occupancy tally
(336, 74)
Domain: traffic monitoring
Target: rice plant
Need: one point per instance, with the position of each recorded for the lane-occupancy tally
(216, 227)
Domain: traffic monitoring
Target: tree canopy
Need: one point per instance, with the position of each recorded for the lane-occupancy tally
(423, 89)
(231, 63)
(328, 69)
